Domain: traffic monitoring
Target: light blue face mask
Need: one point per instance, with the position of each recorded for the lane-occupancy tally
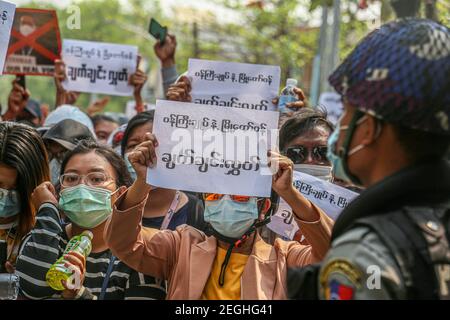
(9, 203)
(336, 161)
(229, 218)
(130, 168)
(86, 206)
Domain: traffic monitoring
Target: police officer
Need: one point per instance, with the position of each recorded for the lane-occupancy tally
(392, 242)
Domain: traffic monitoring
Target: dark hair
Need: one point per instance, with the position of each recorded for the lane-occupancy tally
(422, 146)
(138, 120)
(86, 146)
(301, 122)
(22, 148)
(102, 117)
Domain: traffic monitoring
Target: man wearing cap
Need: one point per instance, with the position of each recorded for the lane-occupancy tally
(59, 139)
(392, 242)
(31, 114)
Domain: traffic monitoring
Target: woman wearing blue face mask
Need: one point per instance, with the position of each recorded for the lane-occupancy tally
(234, 263)
(92, 178)
(23, 166)
(186, 207)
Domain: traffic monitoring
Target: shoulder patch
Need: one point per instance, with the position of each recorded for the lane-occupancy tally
(339, 279)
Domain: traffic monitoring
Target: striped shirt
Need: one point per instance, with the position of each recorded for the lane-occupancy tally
(46, 243)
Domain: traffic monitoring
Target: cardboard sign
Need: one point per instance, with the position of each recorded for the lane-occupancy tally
(98, 67)
(234, 85)
(35, 43)
(331, 198)
(333, 103)
(7, 11)
(203, 149)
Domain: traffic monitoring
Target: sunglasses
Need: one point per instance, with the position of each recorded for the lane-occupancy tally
(217, 197)
(299, 154)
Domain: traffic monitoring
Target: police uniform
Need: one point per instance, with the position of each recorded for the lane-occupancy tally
(392, 242)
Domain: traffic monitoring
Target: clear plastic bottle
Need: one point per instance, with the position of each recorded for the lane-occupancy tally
(9, 286)
(287, 96)
(58, 271)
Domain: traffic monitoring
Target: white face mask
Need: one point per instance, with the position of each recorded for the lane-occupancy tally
(321, 172)
(26, 30)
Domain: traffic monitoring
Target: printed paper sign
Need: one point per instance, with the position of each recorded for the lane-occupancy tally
(6, 21)
(97, 67)
(203, 149)
(235, 85)
(333, 103)
(35, 43)
(331, 198)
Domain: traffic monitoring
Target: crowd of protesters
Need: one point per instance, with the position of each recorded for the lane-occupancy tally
(69, 170)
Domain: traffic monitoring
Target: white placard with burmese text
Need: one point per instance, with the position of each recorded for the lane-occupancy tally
(7, 11)
(234, 85)
(331, 198)
(99, 67)
(203, 149)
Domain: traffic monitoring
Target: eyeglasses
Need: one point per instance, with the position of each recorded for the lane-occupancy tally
(93, 179)
(217, 197)
(299, 154)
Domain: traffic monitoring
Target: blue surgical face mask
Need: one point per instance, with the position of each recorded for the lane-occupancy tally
(229, 218)
(9, 203)
(336, 160)
(86, 206)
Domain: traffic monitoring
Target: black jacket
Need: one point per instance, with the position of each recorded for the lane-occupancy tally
(425, 184)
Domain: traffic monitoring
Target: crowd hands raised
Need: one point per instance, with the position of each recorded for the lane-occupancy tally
(68, 171)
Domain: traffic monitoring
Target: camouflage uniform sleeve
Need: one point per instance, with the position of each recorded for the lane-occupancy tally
(360, 267)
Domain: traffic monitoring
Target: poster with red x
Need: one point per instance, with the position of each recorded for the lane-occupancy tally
(35, 43)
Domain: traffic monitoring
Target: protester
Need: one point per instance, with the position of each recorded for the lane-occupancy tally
(166, 55)
(191, 261)
(68, 112)
(303, 139)
(187, 208)
(392, 241)
(17, 101)
(93, 176)
(63, 97)
(59, 139)
(31, 114)
(104, 126)
(23, 166)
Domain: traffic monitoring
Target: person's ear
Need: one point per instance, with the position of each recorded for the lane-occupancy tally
(369, 130)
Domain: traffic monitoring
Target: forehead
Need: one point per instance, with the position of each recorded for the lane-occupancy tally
(318, 136)
(106, 125)
(89, 162)
(8, 176)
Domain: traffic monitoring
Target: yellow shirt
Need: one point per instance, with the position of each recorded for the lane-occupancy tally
(231, 289)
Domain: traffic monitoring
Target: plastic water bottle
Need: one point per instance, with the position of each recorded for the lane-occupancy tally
(9, 286)
(58, 271)
(287, 96)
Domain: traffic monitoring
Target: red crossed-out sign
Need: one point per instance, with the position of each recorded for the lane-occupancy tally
(35, 33)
